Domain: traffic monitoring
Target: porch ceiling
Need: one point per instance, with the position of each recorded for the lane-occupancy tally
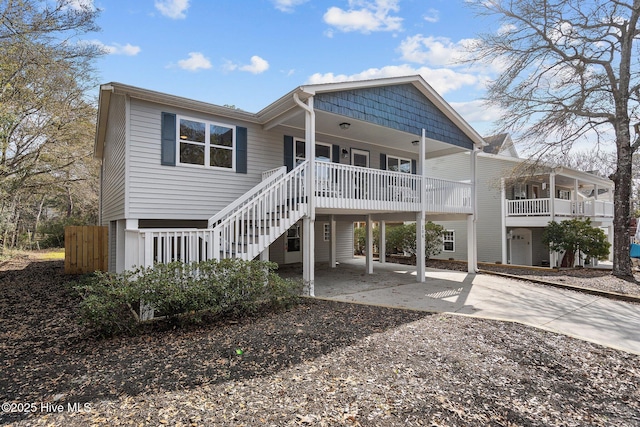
(328, 125)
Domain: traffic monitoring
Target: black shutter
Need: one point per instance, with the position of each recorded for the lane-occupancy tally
(336, 153)
(383, 161)
(288, 152)
(241, 149)
(414, 166)
(168, 139)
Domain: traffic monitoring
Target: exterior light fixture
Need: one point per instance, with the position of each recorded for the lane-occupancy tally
(344, 125)
(345, 153)
(416, 142)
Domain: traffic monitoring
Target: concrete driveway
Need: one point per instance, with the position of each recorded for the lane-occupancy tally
(591, 318)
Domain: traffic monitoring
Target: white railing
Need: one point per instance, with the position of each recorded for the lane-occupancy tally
(168, 245)
(252, 227)
(282, 170)
(271, 176)
(352, 187)
(528, 207)
(598, 208)
(562, 207)
(443, 195)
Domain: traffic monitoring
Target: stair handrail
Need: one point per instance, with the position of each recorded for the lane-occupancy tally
(243, 211)
(246, 197)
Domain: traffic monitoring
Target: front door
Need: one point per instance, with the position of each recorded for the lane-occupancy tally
(521, 246)
(360, 158)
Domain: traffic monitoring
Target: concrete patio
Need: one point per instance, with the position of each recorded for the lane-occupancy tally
(587, 317)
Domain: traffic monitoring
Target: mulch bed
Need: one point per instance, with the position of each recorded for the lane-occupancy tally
(319, 363)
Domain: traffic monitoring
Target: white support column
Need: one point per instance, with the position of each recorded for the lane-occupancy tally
(308, 243)
(332, 238)
(503, 210)
(131, 246)
(553, 256)
(421, 265)
(369, 245)
(595, 192)
(382, 244)
(552, 195)
(264, 255)
(472, 242)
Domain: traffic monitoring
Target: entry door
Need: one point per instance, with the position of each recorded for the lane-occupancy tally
(360, 158)
(521, 246)
(292, 245)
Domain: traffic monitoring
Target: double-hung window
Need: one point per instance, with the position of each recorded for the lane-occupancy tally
(398, 164)
(449, 241)
(206, 143)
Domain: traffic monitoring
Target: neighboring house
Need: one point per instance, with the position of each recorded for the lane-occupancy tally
(516, 200)
(187, 180)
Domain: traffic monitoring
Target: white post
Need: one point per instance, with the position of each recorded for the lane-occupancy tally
(131, 245)
(308, 273)
(553, 256)
(264, 255)
(369, 245)
(503, 210)
(421, 265)
(472, 242)
(310, 154)
(332, 238)
(382, 244)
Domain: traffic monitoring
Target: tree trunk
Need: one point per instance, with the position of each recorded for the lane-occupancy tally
(622, 179)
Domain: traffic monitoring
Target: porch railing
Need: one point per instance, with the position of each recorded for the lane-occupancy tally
(442, 195)
(562, 207)
(352, 187)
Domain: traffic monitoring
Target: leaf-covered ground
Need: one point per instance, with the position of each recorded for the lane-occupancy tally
(320, 363)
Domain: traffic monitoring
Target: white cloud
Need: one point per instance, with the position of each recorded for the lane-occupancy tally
(365, 16)
(477, 111)
(117, 49)
(442, 80)
(174, 9)
(433, 50)
(287, 5)
(257, 66)
(433, 15)
(195, 62)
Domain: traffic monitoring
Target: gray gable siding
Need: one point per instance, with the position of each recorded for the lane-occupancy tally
(401, 107)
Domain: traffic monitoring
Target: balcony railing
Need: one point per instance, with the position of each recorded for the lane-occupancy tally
(351, 187)
(542, 207)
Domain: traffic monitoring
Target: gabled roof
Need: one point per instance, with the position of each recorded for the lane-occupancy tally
(279, 111)
(500, 144)
(286, 103)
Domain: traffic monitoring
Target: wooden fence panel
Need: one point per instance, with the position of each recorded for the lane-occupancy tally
(86, 249)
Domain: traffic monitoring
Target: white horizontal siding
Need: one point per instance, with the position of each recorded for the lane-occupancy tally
(189, 192)
(112, 191)
(344, 242)
(489, 212)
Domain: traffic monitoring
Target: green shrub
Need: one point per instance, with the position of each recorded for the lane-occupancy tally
(230, 287)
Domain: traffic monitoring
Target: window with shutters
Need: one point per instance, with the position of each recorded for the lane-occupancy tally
(205, 143)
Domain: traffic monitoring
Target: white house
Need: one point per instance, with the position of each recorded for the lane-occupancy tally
(187, 180)
(516, 200)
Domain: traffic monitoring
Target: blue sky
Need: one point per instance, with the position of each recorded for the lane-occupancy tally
(250, 53)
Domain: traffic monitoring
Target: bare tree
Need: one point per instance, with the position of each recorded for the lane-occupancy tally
(570, 74)
(47, 121)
